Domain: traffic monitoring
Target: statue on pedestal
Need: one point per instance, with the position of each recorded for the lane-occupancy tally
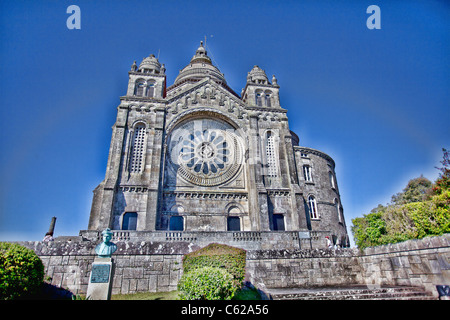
(106, 248)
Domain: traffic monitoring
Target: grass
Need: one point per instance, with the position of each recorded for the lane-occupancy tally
(170, 295)
(244, 294)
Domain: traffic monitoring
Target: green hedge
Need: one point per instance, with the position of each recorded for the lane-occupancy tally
(207, 283)
(207, 272)
(21, 271)
(218, 256)
(398, 223)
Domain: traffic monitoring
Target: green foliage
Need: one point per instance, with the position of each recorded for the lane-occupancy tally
(214, 256)
(412, 220)
(21, 271)
(218, 256)
(368, 230)
(443, 182)
(207, 283)
(431, 217)
(418, 189)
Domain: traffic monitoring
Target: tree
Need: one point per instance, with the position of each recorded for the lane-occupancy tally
(421, 209)
(443, 182)
(417, 190)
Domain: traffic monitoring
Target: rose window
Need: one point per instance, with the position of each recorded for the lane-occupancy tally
(205, 152)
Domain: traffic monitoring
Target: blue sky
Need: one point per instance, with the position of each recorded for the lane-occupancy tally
(377, 101)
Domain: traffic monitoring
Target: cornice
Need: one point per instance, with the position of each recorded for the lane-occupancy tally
(160, 75)
(315, 152)
(266, 109)
(142, 99)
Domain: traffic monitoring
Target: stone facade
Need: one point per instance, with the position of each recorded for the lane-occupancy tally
(198, 157)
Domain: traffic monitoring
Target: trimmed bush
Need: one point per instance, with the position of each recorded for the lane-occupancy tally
(214, 272)
(218, 256)
(21, 271)
(207, 283)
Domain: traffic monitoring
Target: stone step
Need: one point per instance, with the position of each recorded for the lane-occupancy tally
(351, 293)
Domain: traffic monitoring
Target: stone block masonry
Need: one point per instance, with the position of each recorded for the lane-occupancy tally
(418, 263)
(146, 273)
(142, 266)
(138, 267)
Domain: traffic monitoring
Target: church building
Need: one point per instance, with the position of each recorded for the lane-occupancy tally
(197, 158)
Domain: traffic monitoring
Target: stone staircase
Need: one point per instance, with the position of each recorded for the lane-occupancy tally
(351, 293)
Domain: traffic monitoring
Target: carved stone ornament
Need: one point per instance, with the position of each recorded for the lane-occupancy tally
(205, 152)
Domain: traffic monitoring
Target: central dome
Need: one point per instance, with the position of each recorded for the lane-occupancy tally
(199, 68)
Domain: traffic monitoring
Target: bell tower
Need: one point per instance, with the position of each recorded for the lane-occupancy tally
(259, 92)
(130, 187)
(148, 80)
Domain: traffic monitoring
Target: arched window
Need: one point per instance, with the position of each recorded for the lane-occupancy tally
(267, 98)
(139, 88)
(312, 207)
(129, 221)
(307, 173)
(338, 209)
(271, 158)
(137, 151)
(176, 223)
(150, 90)
(330, 175)
(258, 99)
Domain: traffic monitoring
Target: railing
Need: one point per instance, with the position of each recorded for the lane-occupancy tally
(180, 236)
(247, 236)
(246, 239)
(120, 235)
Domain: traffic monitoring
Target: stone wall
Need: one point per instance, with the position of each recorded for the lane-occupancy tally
(157, 266)
(303, 268)
(138, 266)
(422, 263)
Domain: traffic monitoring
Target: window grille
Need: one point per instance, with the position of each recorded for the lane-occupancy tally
(137, 153)
(271, 155)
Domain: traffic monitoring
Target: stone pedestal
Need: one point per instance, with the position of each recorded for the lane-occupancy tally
(99, 287)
